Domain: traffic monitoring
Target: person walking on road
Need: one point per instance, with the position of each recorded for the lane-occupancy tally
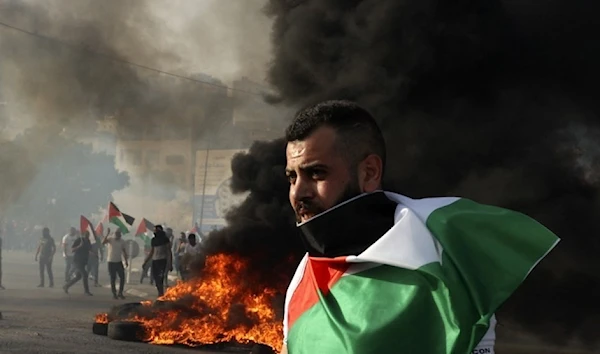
(161, 258)
(45, 252)
(67, 246)
(116, 255)
(96, 256)
(81, 253)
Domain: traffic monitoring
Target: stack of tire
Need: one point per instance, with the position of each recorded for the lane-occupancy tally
(118, 327)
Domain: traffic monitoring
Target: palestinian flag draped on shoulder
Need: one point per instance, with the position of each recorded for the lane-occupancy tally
(144, 228)
(86, 225)
(430, 285)
(115, 216)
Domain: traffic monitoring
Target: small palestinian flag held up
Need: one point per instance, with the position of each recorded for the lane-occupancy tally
(86, 225)
(100, 229)
(115, 216)
(143, 229)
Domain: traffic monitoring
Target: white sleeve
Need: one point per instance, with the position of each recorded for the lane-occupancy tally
(64, 239)
(486, 345)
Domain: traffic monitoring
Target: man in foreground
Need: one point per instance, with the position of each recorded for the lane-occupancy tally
(45, 253)
(116, 255)
(385, 273)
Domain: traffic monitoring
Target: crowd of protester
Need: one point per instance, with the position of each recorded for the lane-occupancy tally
(83, 255)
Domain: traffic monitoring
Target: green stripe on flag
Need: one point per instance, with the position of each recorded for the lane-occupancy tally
(491, 249)
(366, 313)
(440, 305)
(120, 224)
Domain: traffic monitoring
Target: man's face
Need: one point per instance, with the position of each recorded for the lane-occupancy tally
(72, 231)
(319, 176)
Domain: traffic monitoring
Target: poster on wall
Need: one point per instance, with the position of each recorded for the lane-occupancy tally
(212, 192)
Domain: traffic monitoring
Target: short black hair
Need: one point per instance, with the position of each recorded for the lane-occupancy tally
(356, 128)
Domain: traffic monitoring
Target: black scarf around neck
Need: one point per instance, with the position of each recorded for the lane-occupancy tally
(349, 229)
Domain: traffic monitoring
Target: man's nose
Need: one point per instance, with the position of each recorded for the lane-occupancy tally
(301, 190)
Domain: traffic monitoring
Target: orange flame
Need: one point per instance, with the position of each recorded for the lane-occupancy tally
(101, 318)
(216, 307)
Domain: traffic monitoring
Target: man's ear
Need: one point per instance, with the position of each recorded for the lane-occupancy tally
(370, 173)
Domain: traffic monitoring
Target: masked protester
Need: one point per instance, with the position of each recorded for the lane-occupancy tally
(116, 255)
(385, 273)
(161, 257)
(81, 253)
(45, 252)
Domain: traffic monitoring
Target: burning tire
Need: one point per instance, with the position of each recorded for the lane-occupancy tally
(100, 329)
(126, 331)
(124, 311)
(262, 349)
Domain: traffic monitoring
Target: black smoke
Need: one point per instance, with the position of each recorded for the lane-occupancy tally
(262, 228)
(492, 100)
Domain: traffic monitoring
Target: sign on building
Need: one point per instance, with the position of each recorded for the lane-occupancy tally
(212, 192)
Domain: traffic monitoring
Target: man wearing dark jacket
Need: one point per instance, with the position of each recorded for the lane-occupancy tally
(45, 254)
(81, 253)
(160, 255)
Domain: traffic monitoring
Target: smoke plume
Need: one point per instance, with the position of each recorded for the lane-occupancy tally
(490, 100)
(64, 66)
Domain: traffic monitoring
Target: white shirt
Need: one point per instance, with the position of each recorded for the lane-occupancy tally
(192, 250)
(68, 241)
(115, 250)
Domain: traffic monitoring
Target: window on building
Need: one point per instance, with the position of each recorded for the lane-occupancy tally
(175, 160)
(152, 158)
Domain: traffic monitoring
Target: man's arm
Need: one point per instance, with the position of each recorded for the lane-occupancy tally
(52, 248)
(284, 349)
(126, 256)
(149, 256)
(170, 260)
(37, 253)
(105, 241)
(64, 245)
(101, 251)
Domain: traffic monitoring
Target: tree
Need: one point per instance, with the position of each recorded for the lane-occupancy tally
(71, 180)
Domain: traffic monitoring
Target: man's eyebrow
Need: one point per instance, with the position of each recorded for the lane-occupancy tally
(312, 165)
(307, 166)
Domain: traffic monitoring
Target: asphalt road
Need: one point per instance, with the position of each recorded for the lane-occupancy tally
(50, 321)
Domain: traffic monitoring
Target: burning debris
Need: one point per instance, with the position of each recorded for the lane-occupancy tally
(221, 305)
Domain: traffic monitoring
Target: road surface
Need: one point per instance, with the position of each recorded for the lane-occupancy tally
(50, 321)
